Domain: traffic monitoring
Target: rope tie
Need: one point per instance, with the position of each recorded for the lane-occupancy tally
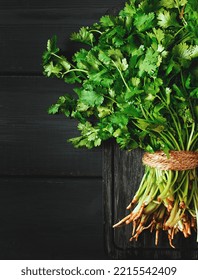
(177, 160)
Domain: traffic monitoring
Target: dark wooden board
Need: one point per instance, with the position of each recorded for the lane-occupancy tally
(23, 45)
(32, 4)
(24, 32)
(51, 201)
(33, 142)
(70, 16)
(51, 219)
(123, 171)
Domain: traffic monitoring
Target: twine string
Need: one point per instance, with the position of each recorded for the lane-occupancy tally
(177, 160)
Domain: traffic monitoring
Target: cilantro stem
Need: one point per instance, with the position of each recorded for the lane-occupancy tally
(70, 70)
(95, 30)
(191, 136)
(75, 70)
(179, 31)
(143, 112)
(181, 179)
(57, 56)
(178, 128)
(114, 101)
(181, 12)
(175, 121)
(122, 77)
(194, 141)
(168, 138)
(175, 143)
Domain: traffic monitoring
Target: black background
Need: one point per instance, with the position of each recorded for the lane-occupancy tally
(51, 204)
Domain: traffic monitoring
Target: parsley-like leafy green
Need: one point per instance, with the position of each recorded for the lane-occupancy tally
(137, 82)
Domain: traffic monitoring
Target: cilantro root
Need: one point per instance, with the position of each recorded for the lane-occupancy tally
(165, 201)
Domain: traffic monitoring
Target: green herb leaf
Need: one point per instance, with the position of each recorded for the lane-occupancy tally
(84, 36)
(144, 21)
(167, 19)
(89, 96)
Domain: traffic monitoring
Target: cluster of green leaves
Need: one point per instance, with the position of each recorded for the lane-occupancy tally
(137, 79)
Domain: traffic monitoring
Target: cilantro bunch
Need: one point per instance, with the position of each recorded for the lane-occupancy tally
(136, 80)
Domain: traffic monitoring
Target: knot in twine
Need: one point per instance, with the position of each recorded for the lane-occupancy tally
(177, 160)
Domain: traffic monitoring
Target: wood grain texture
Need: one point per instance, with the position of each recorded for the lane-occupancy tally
(25, 29)
(123, 171)
(23, 45)
(69, 16)
(51, 219)
(31, 141)
(32, 4)
(50, 193)
(51, 200)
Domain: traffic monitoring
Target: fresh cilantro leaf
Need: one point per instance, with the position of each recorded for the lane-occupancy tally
(101, 78)
(80, 58)
(159, 34)
(51, 49)
(97, 77)
(89, 136)
(66, 65)
(53, 109)
(84, 36)
(72, 78)
(89, 96)
(128, 10)
(184, 51)
(107, 21)
(144, 21)
(50, 69)
(119, 119)
(104, 58)
(150, 63)
(115, 54)
(173, 3)
(137, 73)
(52, 45)
(167, 19)
(65, 104)
(194, 93)
(103, 111)
(134, 91)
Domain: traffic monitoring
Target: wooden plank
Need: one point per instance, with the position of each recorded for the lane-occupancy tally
(32, 4)
(31, 141)
(51, 219)
(108, 186)
(123, 171)
(24, 33)
(23, 46)
(71, 16)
